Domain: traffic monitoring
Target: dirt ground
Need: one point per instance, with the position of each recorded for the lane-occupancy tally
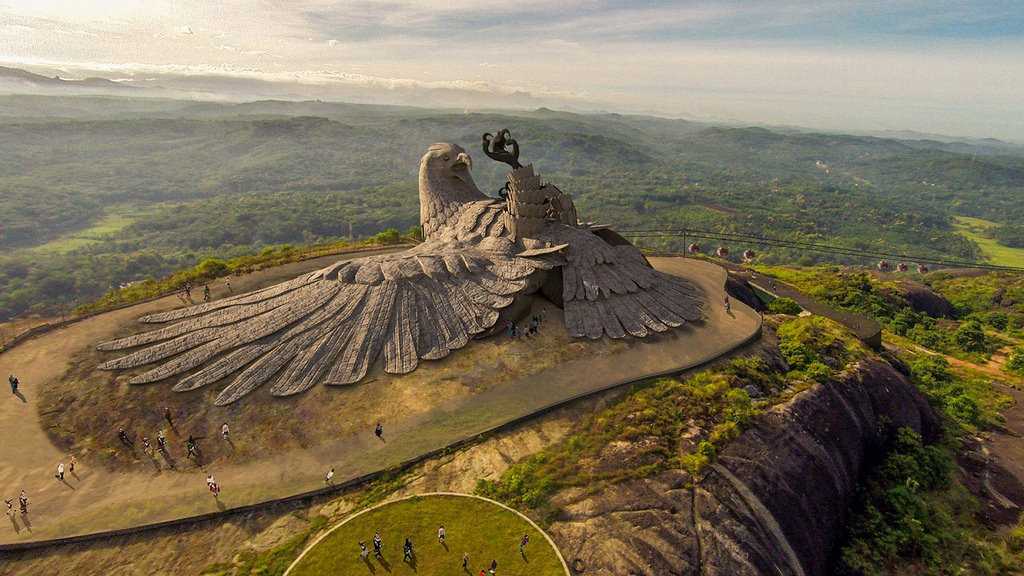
(191, 550)
(283, 446)
(188, 551)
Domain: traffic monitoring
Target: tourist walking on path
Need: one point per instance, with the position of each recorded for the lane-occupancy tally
(329, 476)
(192, 446)
(123, 435)
(379, 431)
(227, 283)
(14, 382)
(213, 486)
(728, 306)
(407, 551)
(10, 506)
(168, 417)
(146, 447)
(465, 560)
(206, 293)
(440, 534)
(161, 441)
(60, 472)
(224, 431)
(23, 503)
(71, 464)
(523, 542)
(363, 552)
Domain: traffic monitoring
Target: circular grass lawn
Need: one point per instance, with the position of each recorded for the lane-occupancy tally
(487, 531)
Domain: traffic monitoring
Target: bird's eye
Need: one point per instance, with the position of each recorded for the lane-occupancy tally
(446, 158)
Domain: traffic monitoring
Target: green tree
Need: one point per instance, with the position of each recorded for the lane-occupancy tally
(970, 336)
(1015, 363)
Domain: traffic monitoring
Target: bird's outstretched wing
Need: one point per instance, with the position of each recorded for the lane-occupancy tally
(612, 290)
(331, 325)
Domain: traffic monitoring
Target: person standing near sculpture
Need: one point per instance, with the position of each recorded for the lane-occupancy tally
(192, 447)
(122, 434)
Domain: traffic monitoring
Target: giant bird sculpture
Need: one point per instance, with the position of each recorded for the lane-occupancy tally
(481, 259)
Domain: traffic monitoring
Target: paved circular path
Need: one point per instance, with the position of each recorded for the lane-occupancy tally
(96, 499)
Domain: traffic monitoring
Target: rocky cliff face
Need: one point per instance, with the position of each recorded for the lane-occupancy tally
(923, 299)
(774, 502)
(738, 287)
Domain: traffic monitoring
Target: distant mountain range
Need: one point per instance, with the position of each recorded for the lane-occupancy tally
(18, 80)
(234, 88)
(247, 92)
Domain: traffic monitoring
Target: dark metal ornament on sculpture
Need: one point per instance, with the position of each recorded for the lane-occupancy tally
(496, 147)
(481, 261)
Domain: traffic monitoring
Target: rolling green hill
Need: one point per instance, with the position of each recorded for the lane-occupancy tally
(99, 191)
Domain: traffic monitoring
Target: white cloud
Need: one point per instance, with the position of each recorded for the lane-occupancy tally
(724, 58)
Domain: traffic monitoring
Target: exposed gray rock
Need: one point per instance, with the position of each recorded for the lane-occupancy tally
(926, 301)
(775, 502)
(739, 288)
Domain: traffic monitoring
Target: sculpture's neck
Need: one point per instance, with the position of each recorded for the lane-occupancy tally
(441, 198)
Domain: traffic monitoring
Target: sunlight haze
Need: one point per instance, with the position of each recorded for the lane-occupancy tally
(936, 67)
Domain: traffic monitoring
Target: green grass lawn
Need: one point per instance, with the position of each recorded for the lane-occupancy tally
(974, 228)
(484, 530)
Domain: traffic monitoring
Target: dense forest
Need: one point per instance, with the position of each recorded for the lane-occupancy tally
(99, 192)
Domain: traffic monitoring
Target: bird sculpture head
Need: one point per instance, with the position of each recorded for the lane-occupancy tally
(448, 161)
(445, 184)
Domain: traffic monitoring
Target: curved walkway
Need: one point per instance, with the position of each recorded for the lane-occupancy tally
(312, 545)
(98, 500)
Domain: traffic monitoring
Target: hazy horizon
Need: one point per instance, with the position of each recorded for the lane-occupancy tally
(931, 67)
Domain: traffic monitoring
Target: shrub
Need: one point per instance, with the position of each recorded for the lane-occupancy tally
(812, 346)
(927, 336)
(389, 236)
(997, 320)
(970, 336)
(784, 306)
(896, 520)
(1015, 362)
(818, 372)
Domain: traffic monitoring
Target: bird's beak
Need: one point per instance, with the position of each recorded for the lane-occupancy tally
(462, 162)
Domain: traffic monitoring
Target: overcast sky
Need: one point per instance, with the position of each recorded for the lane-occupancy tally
(928, 65)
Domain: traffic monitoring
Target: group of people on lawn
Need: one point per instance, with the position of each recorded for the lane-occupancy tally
(409, 556)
